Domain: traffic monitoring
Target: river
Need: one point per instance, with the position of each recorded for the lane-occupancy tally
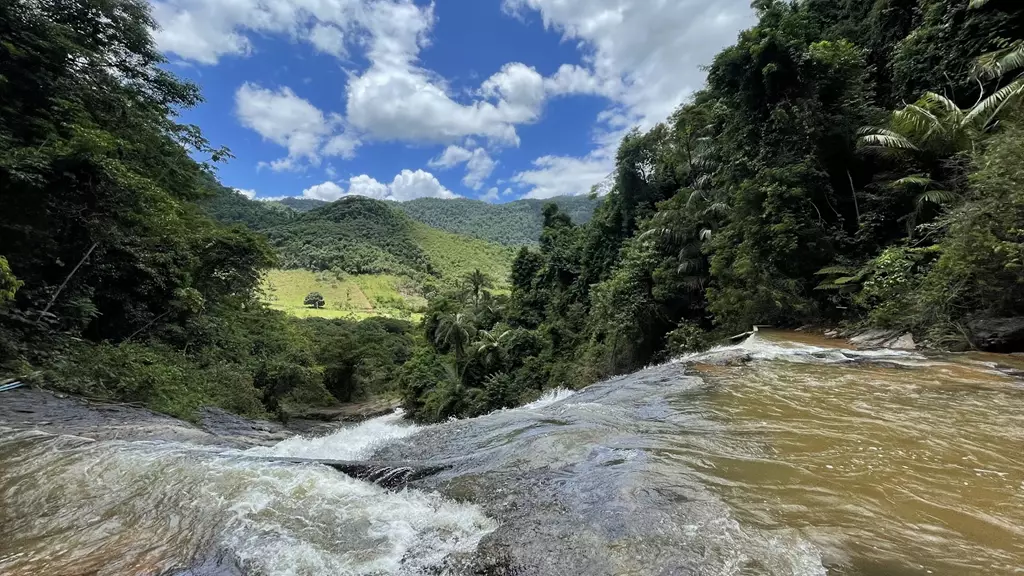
(784, 455)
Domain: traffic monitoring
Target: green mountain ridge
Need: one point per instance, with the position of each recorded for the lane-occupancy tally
(517, 223)
(360, 236)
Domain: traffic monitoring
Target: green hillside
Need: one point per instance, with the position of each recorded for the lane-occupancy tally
(230, 207)
(516, 223)
(354, 235)
(364, 256)
(454, 256)
(513, 224)
(300, 204)
(352, 297)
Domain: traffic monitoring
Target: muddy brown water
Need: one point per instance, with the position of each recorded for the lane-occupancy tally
(787, 454)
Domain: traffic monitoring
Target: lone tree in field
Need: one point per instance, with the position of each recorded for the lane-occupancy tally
(314, 299)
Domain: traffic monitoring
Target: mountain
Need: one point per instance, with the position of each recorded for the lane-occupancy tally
(300, 204)
(516, 223)
(357, 235)
(227, 206)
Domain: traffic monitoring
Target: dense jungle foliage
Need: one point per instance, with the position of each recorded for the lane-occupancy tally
(517, 223)
(847, 162)
(361, 236)
(113, 282)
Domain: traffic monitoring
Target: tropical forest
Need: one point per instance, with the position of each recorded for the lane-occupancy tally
(847, 163)
(782, 336)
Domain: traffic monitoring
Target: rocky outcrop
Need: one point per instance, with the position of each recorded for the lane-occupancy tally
(998, 334)
(884, 339)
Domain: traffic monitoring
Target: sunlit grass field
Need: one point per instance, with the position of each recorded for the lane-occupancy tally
(351, 297)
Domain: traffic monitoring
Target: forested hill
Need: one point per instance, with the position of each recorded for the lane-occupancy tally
(357, 235)
(516, 223)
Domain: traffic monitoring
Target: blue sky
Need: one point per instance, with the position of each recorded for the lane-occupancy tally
(400, 99)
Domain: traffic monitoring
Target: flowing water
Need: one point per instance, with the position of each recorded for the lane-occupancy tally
(780, 456)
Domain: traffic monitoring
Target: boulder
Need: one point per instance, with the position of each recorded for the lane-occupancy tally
(874, 338)
(998, 334)
(884, 339)
(905, 342)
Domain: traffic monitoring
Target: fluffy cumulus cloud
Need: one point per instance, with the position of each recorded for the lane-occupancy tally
(328, 39)
(407, 185)
(644, 56)
(328, 191)
(250, 194)
(287, 120)
(479, 164)
(394, 98)
(566, 176)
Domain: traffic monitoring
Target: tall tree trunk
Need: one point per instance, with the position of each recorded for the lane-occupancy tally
(66, 280)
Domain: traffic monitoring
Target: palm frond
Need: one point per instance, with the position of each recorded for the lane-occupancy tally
(978, 3)
(669, 234)
(940, 102)
(832, 270)
(1006, 59)
(828, 286)
(842, 281)
(690, 265)
(717, 208)
(988, 109)
(694, 283)
(914, 119)
(937, 196)
(884, 139)
(705, 234)
(1013, 59)
(912, 181)
(695, 196)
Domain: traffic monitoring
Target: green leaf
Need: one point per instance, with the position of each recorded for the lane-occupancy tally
(936, 196)
(829, 270)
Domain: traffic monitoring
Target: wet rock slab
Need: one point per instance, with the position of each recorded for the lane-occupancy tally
(56, 413)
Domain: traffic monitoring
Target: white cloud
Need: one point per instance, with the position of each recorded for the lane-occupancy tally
(407, 185)
(204, 31)
(490, 196)
(363, 185)
(328, 191)
(328, 39)
(410, 185)
(651, 51)
(394, 98)
(250, 194)
(290, 121)
(564, 176)
(644, 56)
(479, 164)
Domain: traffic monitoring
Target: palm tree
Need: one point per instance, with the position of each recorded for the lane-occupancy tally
(705, 202)
(478, 281)
(933, 131)
(1004, 60)
(455, 331)
(490, 347)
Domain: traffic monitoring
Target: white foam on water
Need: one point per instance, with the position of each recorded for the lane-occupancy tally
(357, 442)
(124, 505)
(548, 398)
(757, 348)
